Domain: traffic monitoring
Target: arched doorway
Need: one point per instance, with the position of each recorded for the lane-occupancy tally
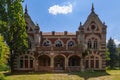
(74, 63)
(44, 63)
(74, 60)
(59, 62)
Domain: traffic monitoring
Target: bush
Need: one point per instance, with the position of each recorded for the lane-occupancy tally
(2, 76)
(3, 67)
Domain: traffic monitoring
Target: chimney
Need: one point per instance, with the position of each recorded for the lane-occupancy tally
(65, 32)
(53, 32)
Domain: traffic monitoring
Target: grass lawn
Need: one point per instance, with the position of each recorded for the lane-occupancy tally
(108, 75)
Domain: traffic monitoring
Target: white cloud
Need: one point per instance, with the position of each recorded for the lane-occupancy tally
(116, 41)
(57, 9)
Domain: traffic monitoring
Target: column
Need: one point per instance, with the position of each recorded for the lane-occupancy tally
(82, 65)
(52, 63)
(36, 65)
(66, 64)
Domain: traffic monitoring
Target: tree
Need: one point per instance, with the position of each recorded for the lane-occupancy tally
(4, 53)
(112, 49)
(14, 30)
(3, 13)
(3, 19)
(118, 45)
(107, 53)
(118, 54)
(17, 27)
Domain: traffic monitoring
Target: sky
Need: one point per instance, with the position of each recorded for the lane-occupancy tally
(66, 15)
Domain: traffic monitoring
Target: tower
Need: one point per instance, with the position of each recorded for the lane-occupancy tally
(93, 35)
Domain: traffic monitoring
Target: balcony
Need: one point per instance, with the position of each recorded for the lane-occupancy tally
(53, 48)
(72, 48)
(59, 48)
(49, 48)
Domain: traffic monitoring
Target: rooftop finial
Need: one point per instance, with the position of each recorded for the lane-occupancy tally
(92, 7)
(80, 23)
(26, 10)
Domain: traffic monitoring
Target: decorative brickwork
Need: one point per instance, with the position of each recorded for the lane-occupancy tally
(62, 51)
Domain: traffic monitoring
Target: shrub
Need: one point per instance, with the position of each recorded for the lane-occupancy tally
(4, 67)
(2, 76)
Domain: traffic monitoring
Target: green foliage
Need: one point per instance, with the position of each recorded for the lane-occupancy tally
(17, 31)
(4, 53)
(118, 55)
(4, 67)
(3, 13)
(107, 54)
(2, 77)
(113, 53)
(12, 25)
(118, 50)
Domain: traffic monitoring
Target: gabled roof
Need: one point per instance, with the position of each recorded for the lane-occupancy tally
(93, 15)
(29, 20)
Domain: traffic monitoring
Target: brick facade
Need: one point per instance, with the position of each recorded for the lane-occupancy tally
(61, 51)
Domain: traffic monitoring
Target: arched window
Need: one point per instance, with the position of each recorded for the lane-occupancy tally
(86, 63)
(95, 46)
(97, 63)
(89, 44)
(46, 43)
(31, 62)
(92, 61)
(58, 43)
(70, 44)
(26, 62)
(21, 62)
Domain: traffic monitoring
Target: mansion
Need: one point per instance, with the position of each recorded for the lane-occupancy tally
(63, 51)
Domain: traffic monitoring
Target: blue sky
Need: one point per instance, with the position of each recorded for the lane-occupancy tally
(65, 15)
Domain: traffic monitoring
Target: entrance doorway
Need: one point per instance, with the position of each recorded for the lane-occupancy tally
(43, 63)
(59, 63)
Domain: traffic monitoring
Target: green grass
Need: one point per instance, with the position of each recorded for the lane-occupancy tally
(108, 75)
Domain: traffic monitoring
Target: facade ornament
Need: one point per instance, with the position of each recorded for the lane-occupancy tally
(92, 8)
(26, 10)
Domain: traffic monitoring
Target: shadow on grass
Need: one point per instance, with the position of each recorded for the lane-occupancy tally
(25, 73)
(89, 74)
(86, 75)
